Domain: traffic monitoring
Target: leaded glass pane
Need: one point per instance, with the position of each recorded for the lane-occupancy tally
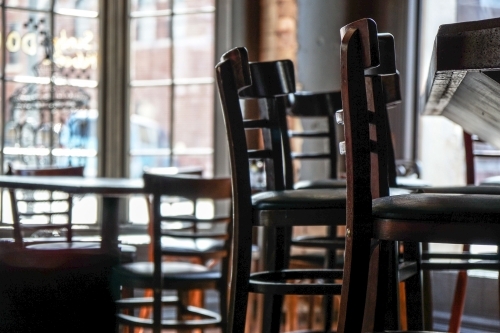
(76, 47)
(27, 37)
(29, 4)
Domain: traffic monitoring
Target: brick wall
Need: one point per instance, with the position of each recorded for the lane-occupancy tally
(279, 30)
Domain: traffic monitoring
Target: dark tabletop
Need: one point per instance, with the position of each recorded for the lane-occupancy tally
(463, 81)
(76, 185)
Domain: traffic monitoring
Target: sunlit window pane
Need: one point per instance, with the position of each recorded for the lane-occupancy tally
(192, 4)
(194, 45)
(76, 46)
(150, 45)
(193, 117)
(149, 5)
(31, 4)
(89, 5)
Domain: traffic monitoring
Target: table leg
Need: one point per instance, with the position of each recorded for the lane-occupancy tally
(109, 224)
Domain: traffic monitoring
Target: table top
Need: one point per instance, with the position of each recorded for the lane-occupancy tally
(106, 186)
(74, 184)
(464, 77)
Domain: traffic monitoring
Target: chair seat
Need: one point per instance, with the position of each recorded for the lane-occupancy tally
(128, 253)
(56, 246)
(444, 207)
(77, 245)
(494, 180)
(292, 199)
(320, 183)
(455, 218)
(176, 275)
(410, 182)
(468, 189)
(310, 198)
(191, 246)
(404, 182)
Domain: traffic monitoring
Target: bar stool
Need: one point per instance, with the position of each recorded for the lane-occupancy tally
(376, 223)
(277, 209)
(180, 276)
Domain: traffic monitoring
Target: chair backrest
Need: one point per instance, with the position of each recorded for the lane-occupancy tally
(268, 84)
(366, 144)
(272, 81)
(48, 211)
(322, 105)
(193, 188)
(211, 223)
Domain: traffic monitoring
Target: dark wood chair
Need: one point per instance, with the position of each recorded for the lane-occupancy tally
(277, 209)
(378, 223)
(49, 212)
(180, 276)
(325, 104)
(43, 219)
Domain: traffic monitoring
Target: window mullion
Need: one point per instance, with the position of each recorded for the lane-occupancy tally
(113, 95)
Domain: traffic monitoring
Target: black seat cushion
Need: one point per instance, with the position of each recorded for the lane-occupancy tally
(494, 180)
(189, 246)
(128, 253)
(404, 182)
(202, 248)
(320, 183)
(410, 182)
(443, 208)
(438, 218)
(468, 189)
(176, 275)
(300, 199)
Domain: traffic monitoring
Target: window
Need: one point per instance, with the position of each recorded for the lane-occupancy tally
(171, 84)
(52, 80)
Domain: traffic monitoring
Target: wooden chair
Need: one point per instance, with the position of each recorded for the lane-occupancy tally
(43, 219)
(185, 276)
(309, 104)
(276, 210)
(43, 213)
(377, 223)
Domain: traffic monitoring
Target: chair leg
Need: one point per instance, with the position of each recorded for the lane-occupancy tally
(387, 306)
(413, 289)
(291, 306)
(277, 258)
(458, 304)
(127, 293)
(402, 306)
(328, 299)
(355, 283)
(427, 295)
